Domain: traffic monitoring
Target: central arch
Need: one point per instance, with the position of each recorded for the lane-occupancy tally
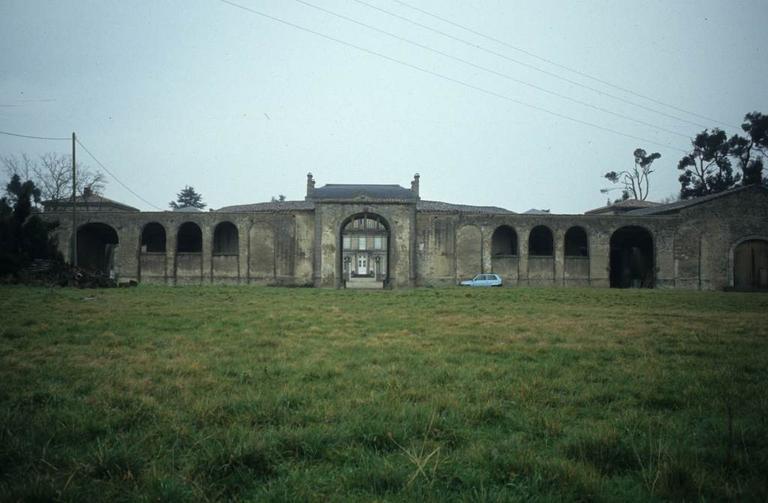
(364, 258)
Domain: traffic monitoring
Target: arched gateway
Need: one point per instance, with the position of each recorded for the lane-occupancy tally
(364, 251)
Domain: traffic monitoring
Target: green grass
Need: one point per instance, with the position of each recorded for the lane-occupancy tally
(217, 393)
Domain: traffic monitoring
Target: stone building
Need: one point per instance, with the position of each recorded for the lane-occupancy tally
(386, 236)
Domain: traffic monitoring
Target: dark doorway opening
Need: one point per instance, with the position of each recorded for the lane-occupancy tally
(750, 265)
(96, 244)
(576, 244)
(190, 238)
(504, 241)
(632, 258)
(225, 239)
(153, 238)
(540, 242)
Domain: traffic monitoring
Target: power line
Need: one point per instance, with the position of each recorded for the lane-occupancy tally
(113, 175)
(35, 137)
(561, 66)
(445, 77)
(494, 72)
(528, 65)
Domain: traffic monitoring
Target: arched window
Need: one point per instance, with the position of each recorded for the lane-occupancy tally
(576, 242)
(225, 239)
(153, 238)
(540, 242)
(632, 258)
(190, 238)
(504, 241)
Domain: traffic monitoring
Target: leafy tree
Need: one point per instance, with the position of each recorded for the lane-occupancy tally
(636, 180)
(750, 151)
(188, 198)
(24, 236)
(52, 175)
(278, 199)
(707, 169)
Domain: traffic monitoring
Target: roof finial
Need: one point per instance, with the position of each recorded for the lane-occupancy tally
(415, 185)
(310, 186)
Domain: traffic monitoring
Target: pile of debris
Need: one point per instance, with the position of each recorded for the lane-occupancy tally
(55, 273)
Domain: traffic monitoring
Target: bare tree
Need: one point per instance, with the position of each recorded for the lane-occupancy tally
(635, 180)
(52, 174)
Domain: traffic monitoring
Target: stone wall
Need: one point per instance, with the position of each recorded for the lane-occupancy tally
(272, 248)
(466, 240)
(693, 248)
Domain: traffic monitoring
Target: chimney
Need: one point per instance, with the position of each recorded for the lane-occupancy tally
(87, 192)
(310, 186)
(415, 185)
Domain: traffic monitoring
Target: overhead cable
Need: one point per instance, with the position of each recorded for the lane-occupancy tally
(494, 72)
(558, 65)
(445, 77)
(528, 65)
(52, 138)
(113, 175)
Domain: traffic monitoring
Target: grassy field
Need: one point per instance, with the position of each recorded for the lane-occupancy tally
(219, 393)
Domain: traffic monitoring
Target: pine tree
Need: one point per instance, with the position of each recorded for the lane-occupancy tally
(188, 198)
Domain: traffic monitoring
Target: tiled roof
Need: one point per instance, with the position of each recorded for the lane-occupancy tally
(679, 205)
(269, 206)
(438, 206)
(91, 201)
(623, 206)
(433, 206)
(373, 192)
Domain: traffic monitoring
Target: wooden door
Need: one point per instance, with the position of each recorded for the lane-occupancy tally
(750, 265)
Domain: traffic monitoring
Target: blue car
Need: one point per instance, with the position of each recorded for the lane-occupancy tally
(483, 280)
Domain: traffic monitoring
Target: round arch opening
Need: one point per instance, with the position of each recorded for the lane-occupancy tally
(364, 257)
(226, 239)
(96, 244)
(541, 242)
(750, 265)
(504, 241)
(576, 242)
(632, 260)
(153, 238)
(189, 238)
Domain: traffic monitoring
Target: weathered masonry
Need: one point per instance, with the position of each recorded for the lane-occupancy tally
(386, 236)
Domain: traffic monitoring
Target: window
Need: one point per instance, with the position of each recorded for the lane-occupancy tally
(361, 243)
(377, 243)
(576, 242)
(540, 242)
(153, 238)
(226, 239)
(347, 242)
(189, 238)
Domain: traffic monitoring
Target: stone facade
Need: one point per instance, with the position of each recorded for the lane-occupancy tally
(692, 244)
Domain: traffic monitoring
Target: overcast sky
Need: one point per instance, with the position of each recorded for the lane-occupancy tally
(240, 106)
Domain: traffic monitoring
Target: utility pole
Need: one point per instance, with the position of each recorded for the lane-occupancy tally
(74, 203)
